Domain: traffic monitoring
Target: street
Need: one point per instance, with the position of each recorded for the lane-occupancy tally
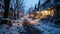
(32, 27)
(29, 16)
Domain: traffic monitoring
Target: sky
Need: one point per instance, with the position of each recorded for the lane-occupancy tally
(29, 3)
(42, 1)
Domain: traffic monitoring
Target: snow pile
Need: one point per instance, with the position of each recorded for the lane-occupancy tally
(11, 30)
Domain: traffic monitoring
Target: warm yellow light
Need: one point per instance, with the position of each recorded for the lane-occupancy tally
(52, 12)
(46, 12)
(28, 15)
(43, 13)
(36, 17)
(32, 15)
(34, 21)
(38, 12)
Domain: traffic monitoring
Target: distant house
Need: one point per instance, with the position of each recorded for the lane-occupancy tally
(52, 6)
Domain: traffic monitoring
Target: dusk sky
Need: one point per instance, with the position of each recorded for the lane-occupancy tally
(31, 3)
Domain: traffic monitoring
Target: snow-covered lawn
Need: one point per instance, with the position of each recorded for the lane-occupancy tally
(46, 29)
(11, 30)
(17, 27)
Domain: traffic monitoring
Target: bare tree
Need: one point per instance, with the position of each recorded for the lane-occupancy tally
(19, 7)
(6, 10)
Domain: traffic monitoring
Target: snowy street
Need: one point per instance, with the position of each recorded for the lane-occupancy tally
(29, 16)
(17, 27)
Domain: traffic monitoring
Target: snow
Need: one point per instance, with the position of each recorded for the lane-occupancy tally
(46, 29)
(17, 26)
(8, 30)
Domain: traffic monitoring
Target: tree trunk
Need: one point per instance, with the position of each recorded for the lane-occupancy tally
(6, 3)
